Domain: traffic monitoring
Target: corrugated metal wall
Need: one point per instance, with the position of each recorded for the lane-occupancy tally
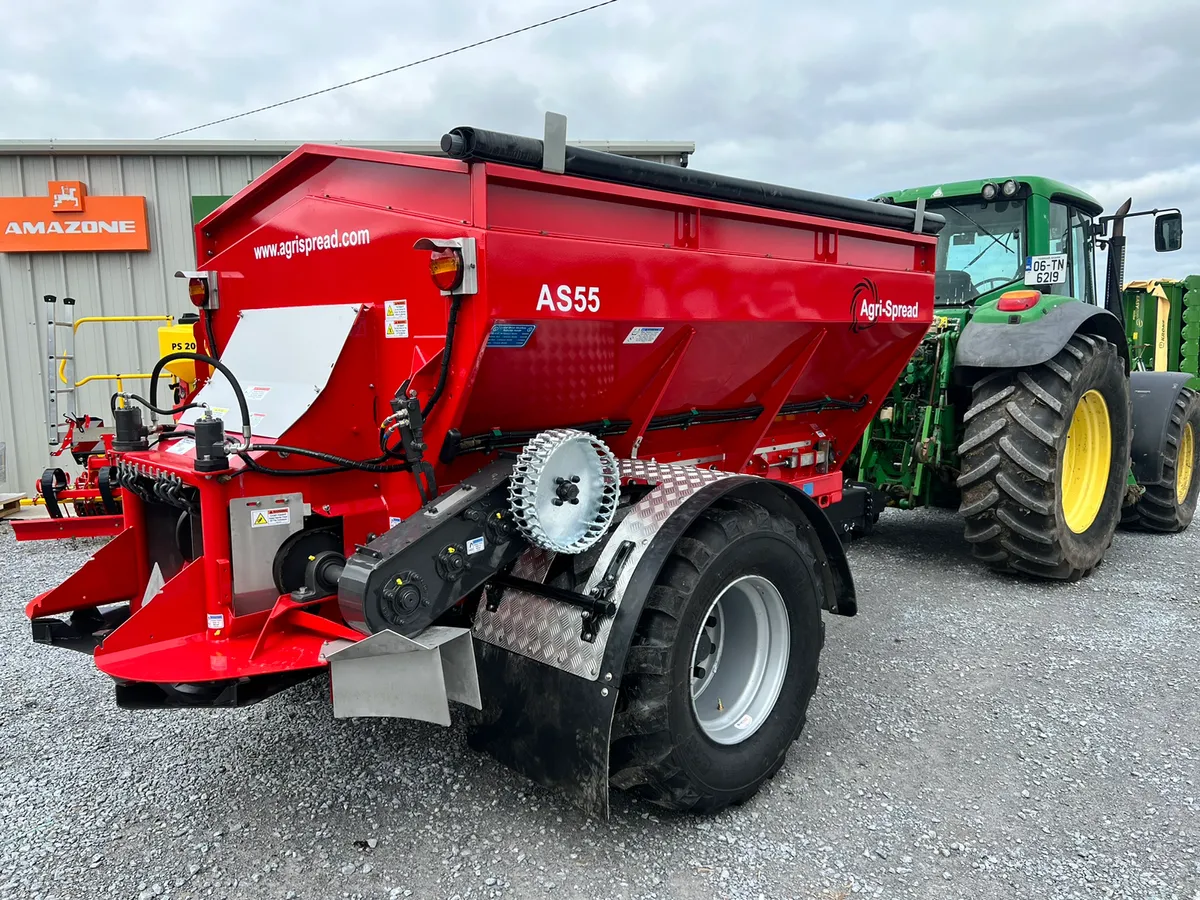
(103, 284)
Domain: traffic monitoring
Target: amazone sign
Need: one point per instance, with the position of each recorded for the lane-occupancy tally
(67, 220)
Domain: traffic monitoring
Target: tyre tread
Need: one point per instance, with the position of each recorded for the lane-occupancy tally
(641, 753)
(1010, 460)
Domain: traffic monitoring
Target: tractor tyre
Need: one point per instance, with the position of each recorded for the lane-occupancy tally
(1045, 456)
(1170, 505)
(723, 661)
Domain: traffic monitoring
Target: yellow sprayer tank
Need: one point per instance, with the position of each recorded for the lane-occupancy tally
(173, 338)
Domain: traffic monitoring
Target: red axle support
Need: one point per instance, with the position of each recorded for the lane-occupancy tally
(168, 639)
(287, 616)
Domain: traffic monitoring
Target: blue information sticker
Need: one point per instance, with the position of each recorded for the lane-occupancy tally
(510, 335)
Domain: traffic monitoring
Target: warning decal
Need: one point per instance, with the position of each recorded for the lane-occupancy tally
(395, 318)
(260, 518)
(257, 393)
(181, 447)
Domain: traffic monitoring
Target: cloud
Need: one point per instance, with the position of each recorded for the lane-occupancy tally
(1149, 187)
(853, 98)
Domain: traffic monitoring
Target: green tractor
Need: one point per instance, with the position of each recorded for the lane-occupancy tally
(1021, 407)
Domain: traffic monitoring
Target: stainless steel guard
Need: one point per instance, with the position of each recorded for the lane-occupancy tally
(548, 631)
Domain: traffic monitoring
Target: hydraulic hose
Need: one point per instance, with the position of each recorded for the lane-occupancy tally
(338, 463)
(389, 450)
(216, 364)
(206, 315)
(150, 406)
(452, 320)
(378, 465)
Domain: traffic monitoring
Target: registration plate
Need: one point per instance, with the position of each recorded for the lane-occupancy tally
(1049, 269)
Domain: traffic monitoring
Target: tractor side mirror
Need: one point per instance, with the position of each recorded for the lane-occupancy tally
(1168, 232)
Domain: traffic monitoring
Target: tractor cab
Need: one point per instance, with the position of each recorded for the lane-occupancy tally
(1023, 233)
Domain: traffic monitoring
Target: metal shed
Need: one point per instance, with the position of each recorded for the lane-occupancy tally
(181, 181)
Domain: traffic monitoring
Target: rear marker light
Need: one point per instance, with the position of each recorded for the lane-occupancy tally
(1015, 301)
(446, 269)
(198, 291)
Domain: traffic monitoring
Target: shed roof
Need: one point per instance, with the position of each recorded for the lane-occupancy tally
(278, 148)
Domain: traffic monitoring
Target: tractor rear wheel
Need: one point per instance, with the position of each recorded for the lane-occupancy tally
(1045, 456)
(1170, 505)
(723, 662)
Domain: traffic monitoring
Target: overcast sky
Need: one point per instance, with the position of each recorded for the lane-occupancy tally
(852, 97)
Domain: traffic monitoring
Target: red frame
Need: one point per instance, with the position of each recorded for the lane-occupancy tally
(84, 488)
(756, 308)
(67, 527)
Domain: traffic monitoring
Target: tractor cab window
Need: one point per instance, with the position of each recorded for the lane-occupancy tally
(980, 249)
(1082, 258)
(1071, 234)
(1060, 243)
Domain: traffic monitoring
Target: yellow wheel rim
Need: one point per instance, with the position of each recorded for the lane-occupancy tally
(1086, 461)
(1185, 463)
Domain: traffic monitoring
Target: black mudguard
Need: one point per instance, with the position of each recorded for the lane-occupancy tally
(791, 502)
(1154, 395)
(989, 345)
(555, 727)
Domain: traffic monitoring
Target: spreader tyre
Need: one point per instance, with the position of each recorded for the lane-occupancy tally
(1045, 457)
(1170, 505)
(723, 663)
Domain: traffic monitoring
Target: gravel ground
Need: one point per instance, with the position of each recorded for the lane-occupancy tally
(972, 737)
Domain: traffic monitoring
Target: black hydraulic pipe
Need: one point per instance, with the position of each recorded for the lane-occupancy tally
(220, 367)
(496, 440)
(511, 149)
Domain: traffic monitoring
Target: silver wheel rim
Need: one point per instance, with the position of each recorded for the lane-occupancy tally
(739, 659)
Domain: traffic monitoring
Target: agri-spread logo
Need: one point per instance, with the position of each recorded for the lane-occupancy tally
(68, 220)
(866, 309)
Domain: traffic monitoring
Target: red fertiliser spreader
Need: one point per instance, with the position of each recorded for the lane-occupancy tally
(544, 431)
